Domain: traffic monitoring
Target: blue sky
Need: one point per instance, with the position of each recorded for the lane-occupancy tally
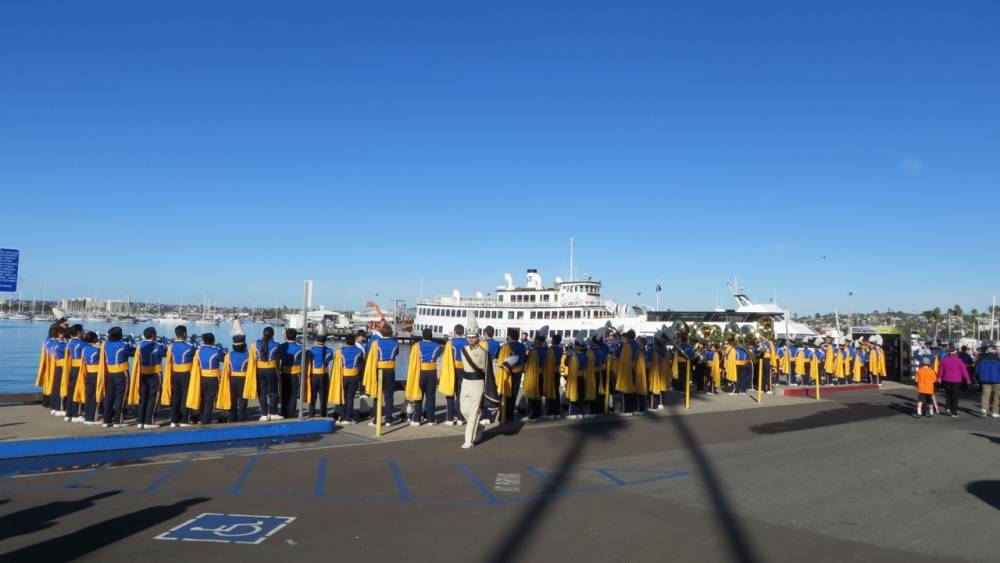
(171, 149)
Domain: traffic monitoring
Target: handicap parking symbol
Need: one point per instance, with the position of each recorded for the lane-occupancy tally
(227, 528)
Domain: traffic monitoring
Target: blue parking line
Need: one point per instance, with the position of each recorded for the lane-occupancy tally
(320, 490)
(238, 484)
(543, 478)
(397, 475)
(608, 474)
(167, 474)
(490, 497)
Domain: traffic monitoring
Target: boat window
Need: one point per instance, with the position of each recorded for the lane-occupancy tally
(510, 314)
(531, 315)
(520, 314)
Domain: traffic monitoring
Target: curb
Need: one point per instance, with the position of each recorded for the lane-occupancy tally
(158, 439)
(811, 391)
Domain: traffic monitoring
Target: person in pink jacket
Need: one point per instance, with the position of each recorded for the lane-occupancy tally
(951, 374)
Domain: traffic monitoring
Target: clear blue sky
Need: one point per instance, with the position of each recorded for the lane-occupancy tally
(172, 148)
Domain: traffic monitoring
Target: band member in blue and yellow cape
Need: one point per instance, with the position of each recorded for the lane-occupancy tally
(208, 389)
(262, 375)
(116, 368)
(422, 378)
(450, 377)
(551, 377)
(625, 373)
(508, 381)
(382, 357)
(177, 377)
(576, 379)
(317, 380)
(144, 382)
(537, 356)
(235, 370)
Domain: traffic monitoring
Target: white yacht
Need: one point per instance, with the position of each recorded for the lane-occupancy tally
(567, 307)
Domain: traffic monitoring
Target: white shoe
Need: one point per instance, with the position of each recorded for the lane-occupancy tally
(174, 425)
(459, 423)
(67, 419)
(467, 445)
(120, 425)
(483, 422)
(277, 417)
(770, 393)
(414, 423)
(90, 422)
(982, 412)
(449, 423)
(141, 426)
(52, 412)
(77, 419)
(371, 423)
(995, 415)
(263, 418)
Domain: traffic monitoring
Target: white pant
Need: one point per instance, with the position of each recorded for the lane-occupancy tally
(470, 402)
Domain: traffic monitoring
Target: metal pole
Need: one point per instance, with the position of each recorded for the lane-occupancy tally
(306, 303)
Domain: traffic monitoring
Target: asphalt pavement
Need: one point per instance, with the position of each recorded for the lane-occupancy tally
(853, 478)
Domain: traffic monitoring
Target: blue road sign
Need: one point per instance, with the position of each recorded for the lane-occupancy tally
(227, 528)
(9, 258)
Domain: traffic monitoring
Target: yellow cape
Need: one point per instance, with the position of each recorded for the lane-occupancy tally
(250, 385)
(625, 370)
(102, 373)
(590, 378)
(132, 398)
(730, 362)
(222, 400)
(79, 390)
(43, 368)
(641, 374)
(532, 377)
(502, 376)
(335, 395)
(446, 378)
(573, 390)
(413, 392)
(550, 385)
(168, 375)
(370, 380)
(67, 364)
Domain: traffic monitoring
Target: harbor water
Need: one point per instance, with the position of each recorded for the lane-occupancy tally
(21, 341)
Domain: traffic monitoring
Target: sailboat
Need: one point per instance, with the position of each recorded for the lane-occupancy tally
(206, 318)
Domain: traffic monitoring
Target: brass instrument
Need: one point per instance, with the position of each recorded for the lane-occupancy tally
(765, 329)
(730, 333)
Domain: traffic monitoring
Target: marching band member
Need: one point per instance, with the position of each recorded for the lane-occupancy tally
(89, 387)
(114, 362)
(640, 381)
(290, 361)
(450, 382)
(382, 357)
(602, 371)
(576, 391)
(491, 397)
(829, 361)
(860, 362)
(509, 380)
(177, 378)
(75, 350)
(818, 361)
(801, 358)
(625, 374)
(144, 383)
(476, 369)
(424, 376)
(208, 389)
(537, 356)
(58, 367)
(658, 370)
(346, 380)
(44, 363)
(235, 369)
(551, 377)
(262, 375)
(318, 378)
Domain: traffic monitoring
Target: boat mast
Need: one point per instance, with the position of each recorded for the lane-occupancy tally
(571, 258)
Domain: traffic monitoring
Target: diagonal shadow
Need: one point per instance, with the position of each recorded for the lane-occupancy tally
(101, 534)
(987, 491)
(736, 537)
(993, 439)
(519, 535)
(38, 518)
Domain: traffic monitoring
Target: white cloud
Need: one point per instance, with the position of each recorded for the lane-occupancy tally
(911, 166)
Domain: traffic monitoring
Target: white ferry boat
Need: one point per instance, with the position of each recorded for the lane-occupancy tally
(569, 307)
(566, 307)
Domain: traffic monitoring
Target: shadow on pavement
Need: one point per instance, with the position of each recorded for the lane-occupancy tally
(520, 534)
(38, 518)
(101, 534)
(737, 539)
(992, 439)
(987, 491)
(851, 412)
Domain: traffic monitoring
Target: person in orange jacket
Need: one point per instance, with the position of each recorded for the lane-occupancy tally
(925, 388)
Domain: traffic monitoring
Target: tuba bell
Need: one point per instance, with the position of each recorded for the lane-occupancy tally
(765, 329)
(730, 333)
